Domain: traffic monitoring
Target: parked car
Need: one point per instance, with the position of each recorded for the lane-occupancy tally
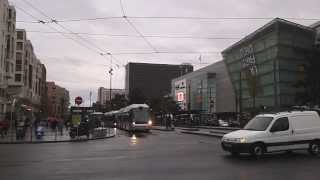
(284, 131)
(234, 123)
(223, 123)
(213, 122)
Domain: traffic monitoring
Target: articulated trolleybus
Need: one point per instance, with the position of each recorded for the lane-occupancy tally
(135, 117)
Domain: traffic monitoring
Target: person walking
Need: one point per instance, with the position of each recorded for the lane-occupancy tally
(54, 123)
(1, 129)
(60, 126)
(167, 119)
(171, 121)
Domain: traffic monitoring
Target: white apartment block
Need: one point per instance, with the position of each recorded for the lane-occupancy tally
(27, 82)
(104, 94)
(7, 51)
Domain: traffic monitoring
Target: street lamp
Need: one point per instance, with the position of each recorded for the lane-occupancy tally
(110, 95)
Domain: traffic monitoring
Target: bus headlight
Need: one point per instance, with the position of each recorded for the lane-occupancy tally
(133, 123)
(242, 140)
(149, 122)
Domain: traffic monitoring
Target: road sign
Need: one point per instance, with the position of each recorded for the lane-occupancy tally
(78, 100)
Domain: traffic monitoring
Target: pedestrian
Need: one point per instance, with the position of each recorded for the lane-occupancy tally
(167, 119)
(36, 124)
(171, 122)
(5, 126)
(67, 125)
(1, 129)
(60, 126)
(54, 123)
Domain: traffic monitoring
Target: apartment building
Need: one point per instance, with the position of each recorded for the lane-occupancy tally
(29, 79)
(104, 94)
(7, 51)
(57, 100)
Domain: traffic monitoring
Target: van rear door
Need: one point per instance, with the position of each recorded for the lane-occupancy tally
(305, 128)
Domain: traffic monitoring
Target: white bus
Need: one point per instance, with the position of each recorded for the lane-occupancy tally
(135, 117)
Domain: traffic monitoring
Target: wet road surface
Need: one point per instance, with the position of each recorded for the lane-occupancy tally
(155, 156)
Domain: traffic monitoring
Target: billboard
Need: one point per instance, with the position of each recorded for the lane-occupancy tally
(180, 91)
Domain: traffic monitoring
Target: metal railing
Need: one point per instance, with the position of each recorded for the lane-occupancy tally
(30, 134)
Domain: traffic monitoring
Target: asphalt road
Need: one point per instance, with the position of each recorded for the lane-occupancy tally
(156, 156)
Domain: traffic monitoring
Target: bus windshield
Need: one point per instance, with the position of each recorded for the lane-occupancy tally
(141, 115)
(258, 123)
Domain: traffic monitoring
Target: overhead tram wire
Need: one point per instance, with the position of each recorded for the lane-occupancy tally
(218, 18)
(81, 44)
(126, 53)
(148, 36)
(165, 52)
(135, 28)
(184, 18)
(102, 53)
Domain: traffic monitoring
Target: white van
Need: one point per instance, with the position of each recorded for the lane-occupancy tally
(285, 131)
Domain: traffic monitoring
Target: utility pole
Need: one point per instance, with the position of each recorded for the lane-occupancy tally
(110, 92)
(240, 92)
(90, 95)
(110, 73)
(189, 95)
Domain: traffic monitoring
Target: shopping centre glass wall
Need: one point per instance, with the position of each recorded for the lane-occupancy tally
(202, 92)
(280, 49)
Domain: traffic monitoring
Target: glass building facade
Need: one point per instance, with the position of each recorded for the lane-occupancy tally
(202, 92)
(265, 65)
(207, 90)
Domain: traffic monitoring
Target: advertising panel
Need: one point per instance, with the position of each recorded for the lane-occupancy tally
(180, 92)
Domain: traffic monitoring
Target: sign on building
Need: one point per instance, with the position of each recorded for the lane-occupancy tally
(180, 91)
(249, 66)
(249, 60)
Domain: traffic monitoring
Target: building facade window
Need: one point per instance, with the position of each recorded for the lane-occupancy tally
(20, 35)
(17, 78)
(19, 46)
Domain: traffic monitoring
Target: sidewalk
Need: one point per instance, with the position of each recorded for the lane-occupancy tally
(205, 132)
(201, 130)
(161, 128)
(49, 137)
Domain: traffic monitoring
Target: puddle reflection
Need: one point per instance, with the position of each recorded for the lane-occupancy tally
(133, 139)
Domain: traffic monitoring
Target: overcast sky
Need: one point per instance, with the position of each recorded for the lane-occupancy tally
(82, 70)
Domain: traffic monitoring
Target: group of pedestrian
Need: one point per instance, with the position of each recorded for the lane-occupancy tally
(168, 118)
(4, 126)
(56, 124)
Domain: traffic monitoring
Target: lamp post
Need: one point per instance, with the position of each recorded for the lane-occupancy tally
(11, 117)
(240, 92)
(110, 92)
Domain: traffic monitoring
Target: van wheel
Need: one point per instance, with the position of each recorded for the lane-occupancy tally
(314, 148)
(257, 150)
